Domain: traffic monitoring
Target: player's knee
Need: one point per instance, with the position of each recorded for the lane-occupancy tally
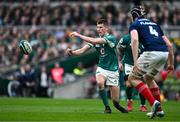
(136, 75)
(132, 77)
(100, 85)
(148, 78)
(100, 81)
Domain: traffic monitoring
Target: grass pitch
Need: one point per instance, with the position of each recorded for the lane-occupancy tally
(91, 110)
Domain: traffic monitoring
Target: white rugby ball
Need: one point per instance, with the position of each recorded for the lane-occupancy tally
(25, 47)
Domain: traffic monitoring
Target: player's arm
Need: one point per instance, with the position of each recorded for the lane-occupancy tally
(78, 51)
(120, 50)
(88, 39)
(134, 45)
(171, 53)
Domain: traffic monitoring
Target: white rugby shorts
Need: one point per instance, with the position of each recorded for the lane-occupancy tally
(128, 69)
(112, 77)
(152, 62)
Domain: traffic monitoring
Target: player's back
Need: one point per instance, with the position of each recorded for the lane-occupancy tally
(125, 42)
(150, 35)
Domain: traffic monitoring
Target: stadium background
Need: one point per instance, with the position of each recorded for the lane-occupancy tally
(47, 23)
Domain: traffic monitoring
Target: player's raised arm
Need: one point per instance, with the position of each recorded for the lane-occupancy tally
(88, 39)
(77, 52)
(102, 29)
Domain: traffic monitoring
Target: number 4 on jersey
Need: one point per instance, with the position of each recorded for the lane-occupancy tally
(153, 31)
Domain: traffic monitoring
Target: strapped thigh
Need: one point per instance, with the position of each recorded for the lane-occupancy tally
(136, 74)
(152, 73)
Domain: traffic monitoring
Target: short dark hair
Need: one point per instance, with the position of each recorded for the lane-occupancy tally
(138, 11)
(102, 21)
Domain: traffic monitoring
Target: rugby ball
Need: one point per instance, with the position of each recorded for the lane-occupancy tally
(25, 47)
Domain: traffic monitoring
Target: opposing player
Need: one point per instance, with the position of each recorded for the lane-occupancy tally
(107, 70)
(157, 51)
(125, 52)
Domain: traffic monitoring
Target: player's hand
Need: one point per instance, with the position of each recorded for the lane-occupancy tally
(170, 68)
(74, 34)
(135, 67)
(69, 52)
(128, 84)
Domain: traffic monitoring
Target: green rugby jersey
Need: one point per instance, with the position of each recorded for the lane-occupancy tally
(107, 53)
(125, 42)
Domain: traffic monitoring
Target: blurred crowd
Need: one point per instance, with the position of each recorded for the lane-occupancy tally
(69, 13)
(47, 26)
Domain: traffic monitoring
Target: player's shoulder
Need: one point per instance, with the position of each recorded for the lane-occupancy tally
(136, 22)
(127, 37)
(110, 40)
(134, 25)
(125, 40)
(110, 37)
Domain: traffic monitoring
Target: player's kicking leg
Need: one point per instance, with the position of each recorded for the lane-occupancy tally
(115, 99)
(129, 98)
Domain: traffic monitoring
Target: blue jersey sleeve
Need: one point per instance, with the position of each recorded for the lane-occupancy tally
(133, 26)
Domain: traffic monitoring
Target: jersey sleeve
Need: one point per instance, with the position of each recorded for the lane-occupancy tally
(90, 45)
(133, 26)
(110, 40)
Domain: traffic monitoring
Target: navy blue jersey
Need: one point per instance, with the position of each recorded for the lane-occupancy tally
(150, 35)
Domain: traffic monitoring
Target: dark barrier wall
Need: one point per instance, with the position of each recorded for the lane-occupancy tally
(3, 86)
(88, 59)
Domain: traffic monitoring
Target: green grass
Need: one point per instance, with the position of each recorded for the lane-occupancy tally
(33, 109)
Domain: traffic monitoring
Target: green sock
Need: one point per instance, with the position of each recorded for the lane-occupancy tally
(129, 92)
(104, 97)
(143, 100)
